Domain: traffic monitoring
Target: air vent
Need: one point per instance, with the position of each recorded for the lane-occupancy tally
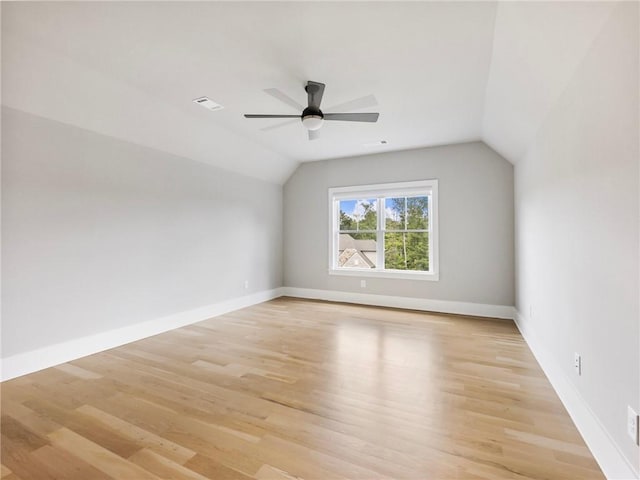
(206, 102)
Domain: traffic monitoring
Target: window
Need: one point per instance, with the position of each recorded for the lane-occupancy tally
(386, 230)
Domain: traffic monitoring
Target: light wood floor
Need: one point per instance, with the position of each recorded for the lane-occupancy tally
(298, 389)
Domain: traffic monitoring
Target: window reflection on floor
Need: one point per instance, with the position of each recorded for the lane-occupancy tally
(372, 360)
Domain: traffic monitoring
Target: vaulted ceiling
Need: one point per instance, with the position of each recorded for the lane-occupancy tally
(442, 72)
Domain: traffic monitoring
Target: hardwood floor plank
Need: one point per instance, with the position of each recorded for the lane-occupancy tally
(85, 426)
(150, 441)
(163, 467)
(77, 371)
(63, 464)
(39, 425)
(294, 389)
(97, 456)
(19, 460)
(267, 472)
(229, 466)
(544, 441)
(4, 471)
(19, 435)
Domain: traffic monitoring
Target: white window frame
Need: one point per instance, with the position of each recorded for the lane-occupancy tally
(378, 191)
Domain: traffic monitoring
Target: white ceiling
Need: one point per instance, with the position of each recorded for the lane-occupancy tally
(442, 72)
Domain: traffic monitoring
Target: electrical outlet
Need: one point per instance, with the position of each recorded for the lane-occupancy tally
(363, 284)
(246, 284)
(577, 363)
(632, 425)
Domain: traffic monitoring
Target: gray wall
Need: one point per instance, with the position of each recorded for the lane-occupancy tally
(475, 221)
(98, 233)
(577, 229)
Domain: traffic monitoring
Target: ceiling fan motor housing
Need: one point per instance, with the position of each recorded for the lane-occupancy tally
(312, 118)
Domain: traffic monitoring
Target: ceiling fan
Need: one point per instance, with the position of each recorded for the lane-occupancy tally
(312, 117)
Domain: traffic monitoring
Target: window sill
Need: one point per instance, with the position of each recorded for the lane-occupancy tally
(354, 272)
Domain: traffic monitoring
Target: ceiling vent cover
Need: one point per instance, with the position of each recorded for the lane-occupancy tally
(206, 102)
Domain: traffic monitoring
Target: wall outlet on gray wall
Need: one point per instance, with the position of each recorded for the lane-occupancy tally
(577, 363)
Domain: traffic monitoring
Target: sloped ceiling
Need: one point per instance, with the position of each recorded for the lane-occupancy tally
(442, 72)
(537, 47)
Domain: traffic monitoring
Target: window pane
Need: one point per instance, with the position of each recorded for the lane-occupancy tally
(406, 251)
(394, 213)
(357, 250)
(417, 213)
(358, 214)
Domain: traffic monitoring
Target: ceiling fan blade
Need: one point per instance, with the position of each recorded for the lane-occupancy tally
(260, 115)
(314, 134)
(315, 91)
(352, 117)
(279, 125)
(284, 98)
(356, 104)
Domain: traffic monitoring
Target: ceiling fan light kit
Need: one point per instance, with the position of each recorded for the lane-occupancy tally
(312, 117)
(312, 122)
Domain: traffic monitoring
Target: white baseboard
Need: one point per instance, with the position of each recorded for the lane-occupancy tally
(32, 361)
(612, 462)
(442, 306)
(28, 362)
